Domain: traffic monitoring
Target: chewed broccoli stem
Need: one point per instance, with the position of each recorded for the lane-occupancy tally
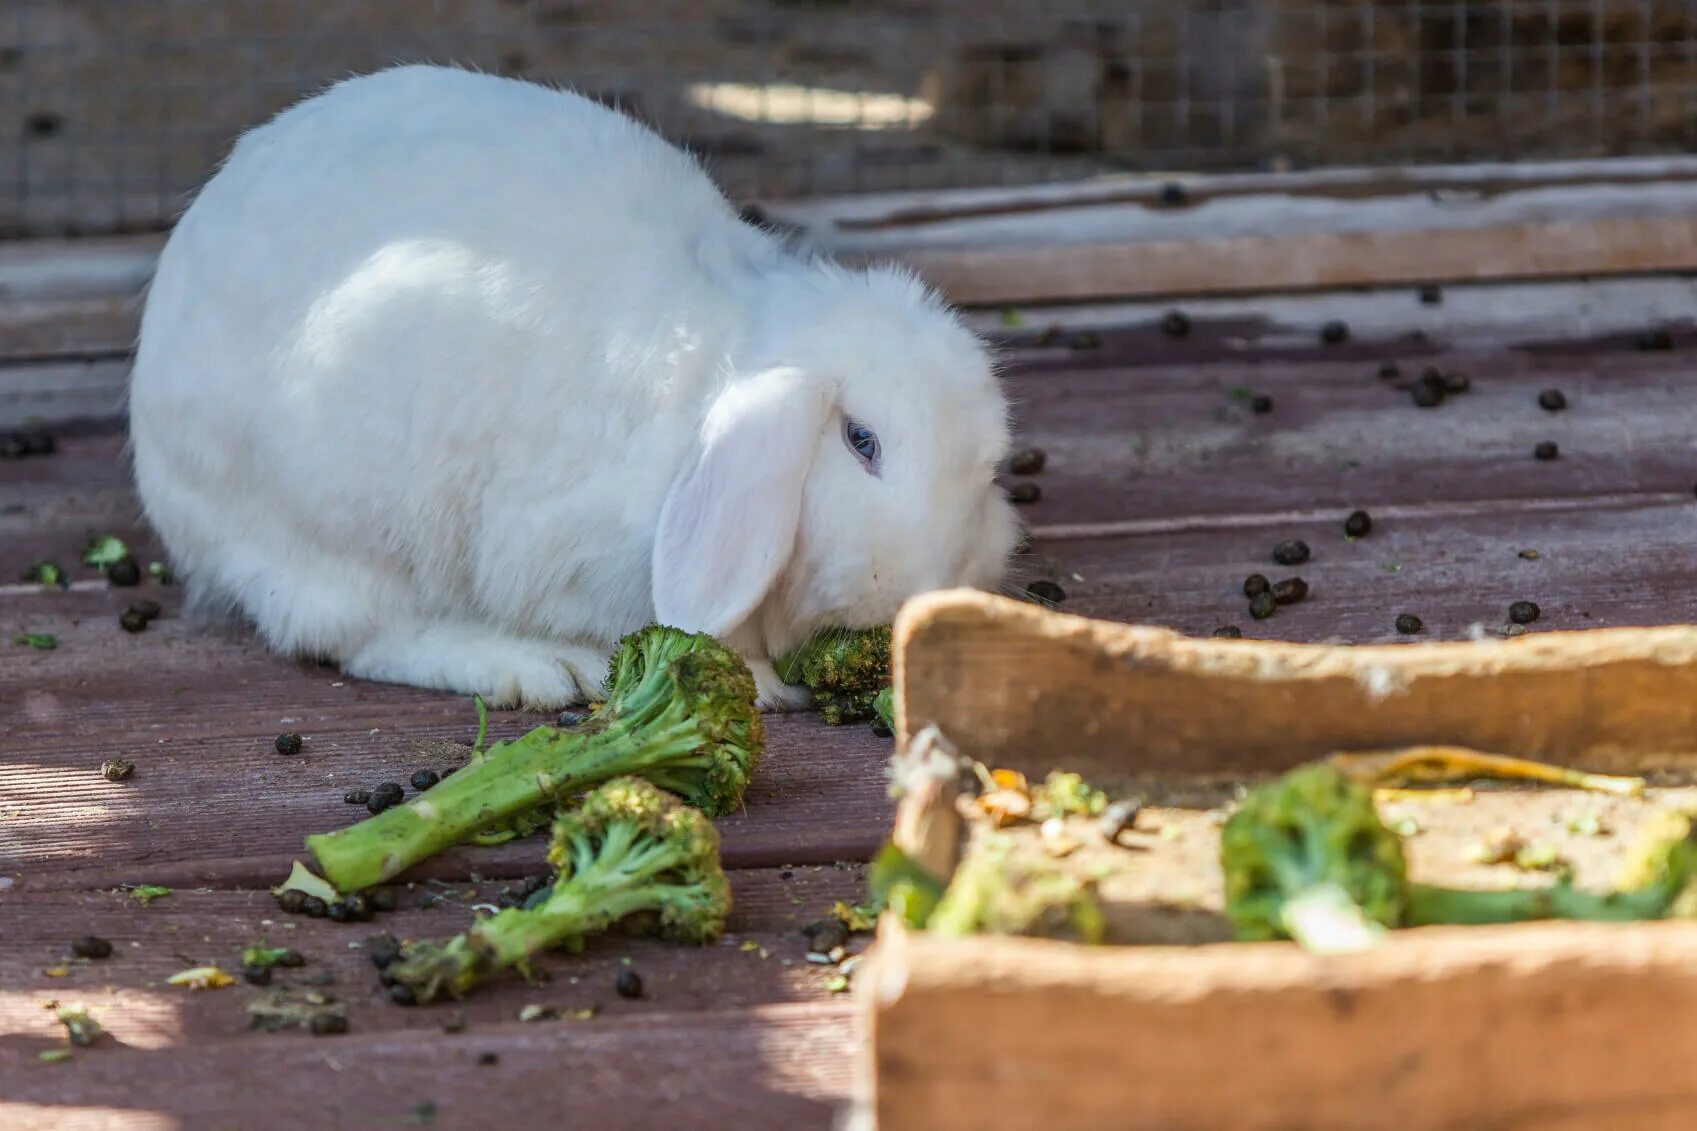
(612, 886)
(1430, 906)
(512, 777)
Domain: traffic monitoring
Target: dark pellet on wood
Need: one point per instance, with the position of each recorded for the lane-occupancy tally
(117, 769)
(1524, 612)
(628, 984)
(1427, 395)
(1047, 591)
(1176, 324)
(1358, 525)
(1408, 624)
(1546, 450)
(328, 1024)
(423, 779)
(314, 908)
(1332, 333)
(825, 935)
(1389, 371)
(132, 621)
(1263, 605)
(1529, 555)
(339, 912)
(146, 608)
(386, 795)
(382, 950)
(879, 730)
(288, 743)
(1431, 294)
(382, 899)
(256, 975)
(91, 946)
(359, 908)
(1029, 461)
(1457, 382)
(1256, 584)
(1022, 493)
(291, 958)
(1290, 591)
(292, 902)
(1552, 400)
(1173, 195)
(1655, 340)
(357, 796)
(1228, 632)
(401, 994)
(1294, 552)
(1261, 404)
(124, 573)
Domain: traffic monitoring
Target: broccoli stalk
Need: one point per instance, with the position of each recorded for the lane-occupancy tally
(1306, 857)
(845, 669)
(998, 891)
(629, 849)
(679, 712)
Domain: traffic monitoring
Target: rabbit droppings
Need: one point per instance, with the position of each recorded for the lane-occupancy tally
(456, 379)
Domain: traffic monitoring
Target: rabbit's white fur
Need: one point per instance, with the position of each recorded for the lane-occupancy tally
(457, 379)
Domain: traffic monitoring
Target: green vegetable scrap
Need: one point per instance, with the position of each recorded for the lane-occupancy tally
(897, 882)
(47, 573)
(45, 641)
(82, 1029)
(997, 890)
(1066, 795)
(629, 850)
(679, 712)
(845, 669)
(145, 894)
(105, 550)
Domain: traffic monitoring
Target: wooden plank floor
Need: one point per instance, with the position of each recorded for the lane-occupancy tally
(1163, 491)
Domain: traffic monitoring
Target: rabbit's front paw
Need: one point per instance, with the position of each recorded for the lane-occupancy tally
(507, 671)
(773, 694)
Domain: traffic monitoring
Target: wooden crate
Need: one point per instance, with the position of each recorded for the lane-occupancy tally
(1534, 1027)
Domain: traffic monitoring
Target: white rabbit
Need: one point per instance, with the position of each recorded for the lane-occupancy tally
(456, 379)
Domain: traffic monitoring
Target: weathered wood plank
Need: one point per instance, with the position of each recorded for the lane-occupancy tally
(761, 959)
(1551, 1027)
(770, 1066)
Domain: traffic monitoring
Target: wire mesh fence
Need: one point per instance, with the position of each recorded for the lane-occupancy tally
(119, 108)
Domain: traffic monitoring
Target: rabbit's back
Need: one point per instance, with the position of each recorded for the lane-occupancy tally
(442, 335)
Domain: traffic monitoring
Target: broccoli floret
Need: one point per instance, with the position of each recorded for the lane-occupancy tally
(629, 849)
(679, 712)
(845, 669)
(999, 891)
(884, 707)
(1307, 857)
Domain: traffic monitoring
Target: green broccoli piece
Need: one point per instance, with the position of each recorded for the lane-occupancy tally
(630, 849)
(1067, 795)
(679, 712)
(845, 669)
(884, 712)
(50, 574)
(997, 890)
(897, 882)
(1307, 857)
(105, 550)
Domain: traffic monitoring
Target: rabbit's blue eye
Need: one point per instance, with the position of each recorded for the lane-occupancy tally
(863, 440)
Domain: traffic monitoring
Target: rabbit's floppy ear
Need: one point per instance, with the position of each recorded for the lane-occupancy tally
(729, 522)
